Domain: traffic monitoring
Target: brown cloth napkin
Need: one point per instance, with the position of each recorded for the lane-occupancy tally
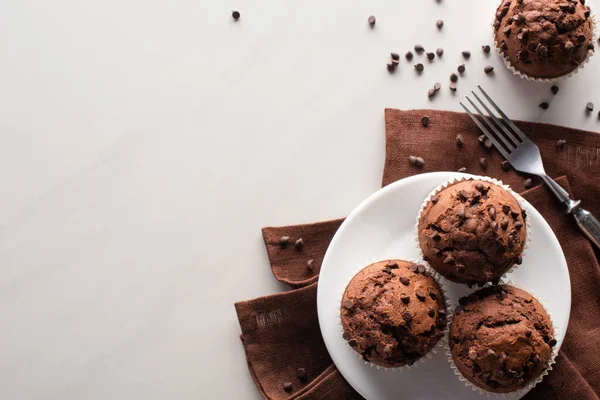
(281, 333)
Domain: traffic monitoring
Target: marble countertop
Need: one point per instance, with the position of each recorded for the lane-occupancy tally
(145, 143)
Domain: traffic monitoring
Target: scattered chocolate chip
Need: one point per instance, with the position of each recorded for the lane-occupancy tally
(505, 166)
(466, 54)
(589, 106)
(309, 264)
(492, 213)
(425, 120)
(439, 23)
(371, 20)
(405, 299)
(435, 199)
(353, 342)
(419, 49)
(404, 280)
(504, 224)
(437, 86)
(391, 67)
(287, 386)
(419, 67)
(407, 316)
(488, 69)
(408, 55)
(560, 143)
(420, 295)
(461, 68)
(462, 169)
(449, 259)
(544, 105)
(483, 162)
(431, 93)
(453, 77)
(439, 51)
(430, 56)
(554, 89)
(299, 244)
(459, 140)
(284, 240)
(395, 56)
(236, 15)
(528, 183)
(452, 87)
(552, 342)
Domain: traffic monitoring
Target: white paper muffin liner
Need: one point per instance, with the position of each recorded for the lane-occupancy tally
(523, 75)
(519, 392)
(441, 343)
(496, 182)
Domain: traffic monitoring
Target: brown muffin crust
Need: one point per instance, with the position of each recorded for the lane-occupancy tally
(472, 232)
(393, 312)
(544, 38)
(501, 338)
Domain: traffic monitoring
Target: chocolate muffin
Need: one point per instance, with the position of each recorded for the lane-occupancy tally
(472, 232)
(544, 38)
(501, 338)
(393, 313)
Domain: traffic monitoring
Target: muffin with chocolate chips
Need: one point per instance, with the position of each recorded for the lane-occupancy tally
(393, 313)
(544, 38)
(501, 338)
(472, 232)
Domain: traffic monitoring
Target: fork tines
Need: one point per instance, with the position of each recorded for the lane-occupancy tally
(503, 133)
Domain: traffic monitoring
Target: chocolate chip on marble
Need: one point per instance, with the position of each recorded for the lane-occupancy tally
(419, 67)
(425, 120)
(504, 224)
(505, 166)
(544, 105)
(560, 144)
(461, 68)
(486, 49)
(419, 48)
(284, 240)
(453, 77)
(309, 264)
(589, 106)
(431, 93)
(462, 169)
(404, 280)
(407, 316)
(371, 20)
(299, 244)
(408, 55)
(430, 56)
(439, 51)
(405, 299)
(395, 56)
(391, 67)
(439, 23)
(528, 183)
(488, 69)
(437, 86)
(301, 373)
(466, 54)
(235, 15)
(452, 86)
(287, 386)
(420, 295)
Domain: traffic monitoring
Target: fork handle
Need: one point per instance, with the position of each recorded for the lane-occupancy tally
(558, 191)
(589, 225)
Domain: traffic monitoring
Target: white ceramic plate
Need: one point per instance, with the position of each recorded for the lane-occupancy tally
(382, 227)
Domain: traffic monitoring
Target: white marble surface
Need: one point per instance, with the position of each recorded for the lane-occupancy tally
(143, 144)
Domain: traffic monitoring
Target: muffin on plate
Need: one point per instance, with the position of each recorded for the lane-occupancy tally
(501, 338)
(393, 312)
(544, 38)
(472, 231)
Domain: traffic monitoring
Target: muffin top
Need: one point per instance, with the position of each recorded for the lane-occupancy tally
(501, 338)
(393, 312)
(472, 232)
(544, 38)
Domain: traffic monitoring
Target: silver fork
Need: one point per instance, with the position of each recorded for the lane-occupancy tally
(524, 156)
